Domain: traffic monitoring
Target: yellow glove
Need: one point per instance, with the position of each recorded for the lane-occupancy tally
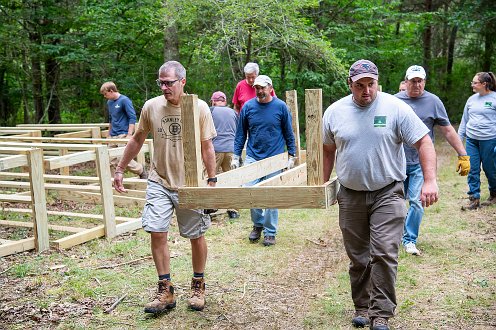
(463, 165)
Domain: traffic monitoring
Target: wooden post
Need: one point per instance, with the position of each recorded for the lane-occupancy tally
(95, 133)
(291, 101)
(150, 150)
(38, 200)
(103, 169)
(315, 152)
(64, 170)
(190, 126)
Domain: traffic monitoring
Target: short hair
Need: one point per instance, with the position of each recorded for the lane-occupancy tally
(251, 67)
(108, 86)
(178, 68)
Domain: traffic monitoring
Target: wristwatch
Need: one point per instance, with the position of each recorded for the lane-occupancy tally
(211, 180)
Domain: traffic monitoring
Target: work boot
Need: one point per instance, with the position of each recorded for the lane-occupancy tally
(255, 234)
(473, 204)
(491, 200)
(164, 299)
(197, 299)
(144, 174)
(269, 240)
(380, 323)
(360, 319)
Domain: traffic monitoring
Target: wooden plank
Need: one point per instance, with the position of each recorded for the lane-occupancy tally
(14, 198)
(287, 197)
(38, 205)
(64, 171)
(79, 134)
(95, 133)
(296, 176)
(13, 162)
(51, 141)
(190, 122)
(116, 152)
(128, 226)
(69, 214)
(79, 238)
(292, 102)
(103, 169)
(51, 128)
(45, 145)
(247, 173)
(31, 225)
(332, 189)
(17, 246)
(95, 198)
(72, 159)
(315, 152)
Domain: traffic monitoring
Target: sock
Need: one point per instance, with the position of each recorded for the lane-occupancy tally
(164, 277)
(198, 275)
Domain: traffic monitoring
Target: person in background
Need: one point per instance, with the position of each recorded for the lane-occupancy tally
(363, 133)
(122, 121)
(478, 127)
(225, 121)
(402, 86)
(244, 89)
(161, 117)
(430, 109)
(266, 121)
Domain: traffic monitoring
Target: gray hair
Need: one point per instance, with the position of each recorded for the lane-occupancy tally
(251, 67)
(178, 68)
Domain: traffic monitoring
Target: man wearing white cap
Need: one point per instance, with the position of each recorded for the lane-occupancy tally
(363, 134)
(431, 111)
(266, 121)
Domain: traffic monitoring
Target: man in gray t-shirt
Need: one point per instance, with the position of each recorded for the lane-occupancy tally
(431, 111)
(364, 134)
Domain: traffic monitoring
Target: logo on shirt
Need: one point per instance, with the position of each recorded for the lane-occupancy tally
(117, 106)
(488, 104)
(379, 121)
(171, 128)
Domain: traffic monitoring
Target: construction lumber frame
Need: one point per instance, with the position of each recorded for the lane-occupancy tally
(301, 187)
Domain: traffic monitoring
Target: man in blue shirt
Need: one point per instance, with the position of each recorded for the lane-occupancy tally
(266, 122)
(122, 120)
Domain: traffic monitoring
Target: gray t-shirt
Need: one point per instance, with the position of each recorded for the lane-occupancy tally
(431, 111)
(479, 117)
(225, 121)
(369, 140)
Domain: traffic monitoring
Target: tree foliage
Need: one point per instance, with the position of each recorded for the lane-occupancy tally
(54, 55)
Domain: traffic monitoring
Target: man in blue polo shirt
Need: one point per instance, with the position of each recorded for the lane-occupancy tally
(266, 122)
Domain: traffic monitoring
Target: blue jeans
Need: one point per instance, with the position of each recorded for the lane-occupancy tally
(481, 151)
(266, 218)
(413, 186)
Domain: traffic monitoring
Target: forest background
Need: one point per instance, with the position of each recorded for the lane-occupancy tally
(55, 54)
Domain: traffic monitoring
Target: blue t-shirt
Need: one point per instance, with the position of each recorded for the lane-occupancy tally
(121, 115)
(225, 121)
(430, 109)
(268, 127)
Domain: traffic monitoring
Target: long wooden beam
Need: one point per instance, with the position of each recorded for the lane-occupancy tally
(79, 238)
(31, 225)
(69, 214)
(102, 125)
(13, 162)
(286, 197)
(17, 246)
(65, 140)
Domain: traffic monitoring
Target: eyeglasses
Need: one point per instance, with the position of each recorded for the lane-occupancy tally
(167, 83)
(475, 82)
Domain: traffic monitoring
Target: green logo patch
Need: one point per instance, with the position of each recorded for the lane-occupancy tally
(380, 121)
(488, 104)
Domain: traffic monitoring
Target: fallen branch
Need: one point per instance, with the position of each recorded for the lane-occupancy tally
(4, 271)
(114, 305)
(123, 263)
(317, 243)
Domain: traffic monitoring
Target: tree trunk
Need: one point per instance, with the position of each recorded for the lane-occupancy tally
(52, 72)
(171, 43)
(488, 50)
(37, 89)
(427, 38)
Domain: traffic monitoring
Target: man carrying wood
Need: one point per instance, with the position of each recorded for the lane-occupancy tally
(161, 116)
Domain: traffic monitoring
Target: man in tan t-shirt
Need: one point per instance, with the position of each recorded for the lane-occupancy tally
(161, 117)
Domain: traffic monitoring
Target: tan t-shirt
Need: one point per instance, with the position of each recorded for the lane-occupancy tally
(163, 121)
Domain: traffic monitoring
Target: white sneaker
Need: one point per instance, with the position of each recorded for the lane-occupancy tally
(412, 249)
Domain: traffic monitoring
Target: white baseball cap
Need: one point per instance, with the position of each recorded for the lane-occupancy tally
(262, 80)
(415, 71)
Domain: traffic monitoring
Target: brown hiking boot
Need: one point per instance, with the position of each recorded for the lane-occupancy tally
(269, 240)
(360, 319)
(380, 323)
(255, 234)
(473, 204)
(164, 299)
(197, 299)
(491, 200)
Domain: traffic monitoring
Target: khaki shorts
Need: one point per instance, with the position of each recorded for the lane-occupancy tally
(158, 210)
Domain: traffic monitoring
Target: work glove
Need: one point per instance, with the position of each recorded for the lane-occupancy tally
(236, 162)
(291, 162)
(463, 165)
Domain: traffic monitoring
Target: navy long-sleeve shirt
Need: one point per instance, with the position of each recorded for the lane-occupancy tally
(268, 128)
